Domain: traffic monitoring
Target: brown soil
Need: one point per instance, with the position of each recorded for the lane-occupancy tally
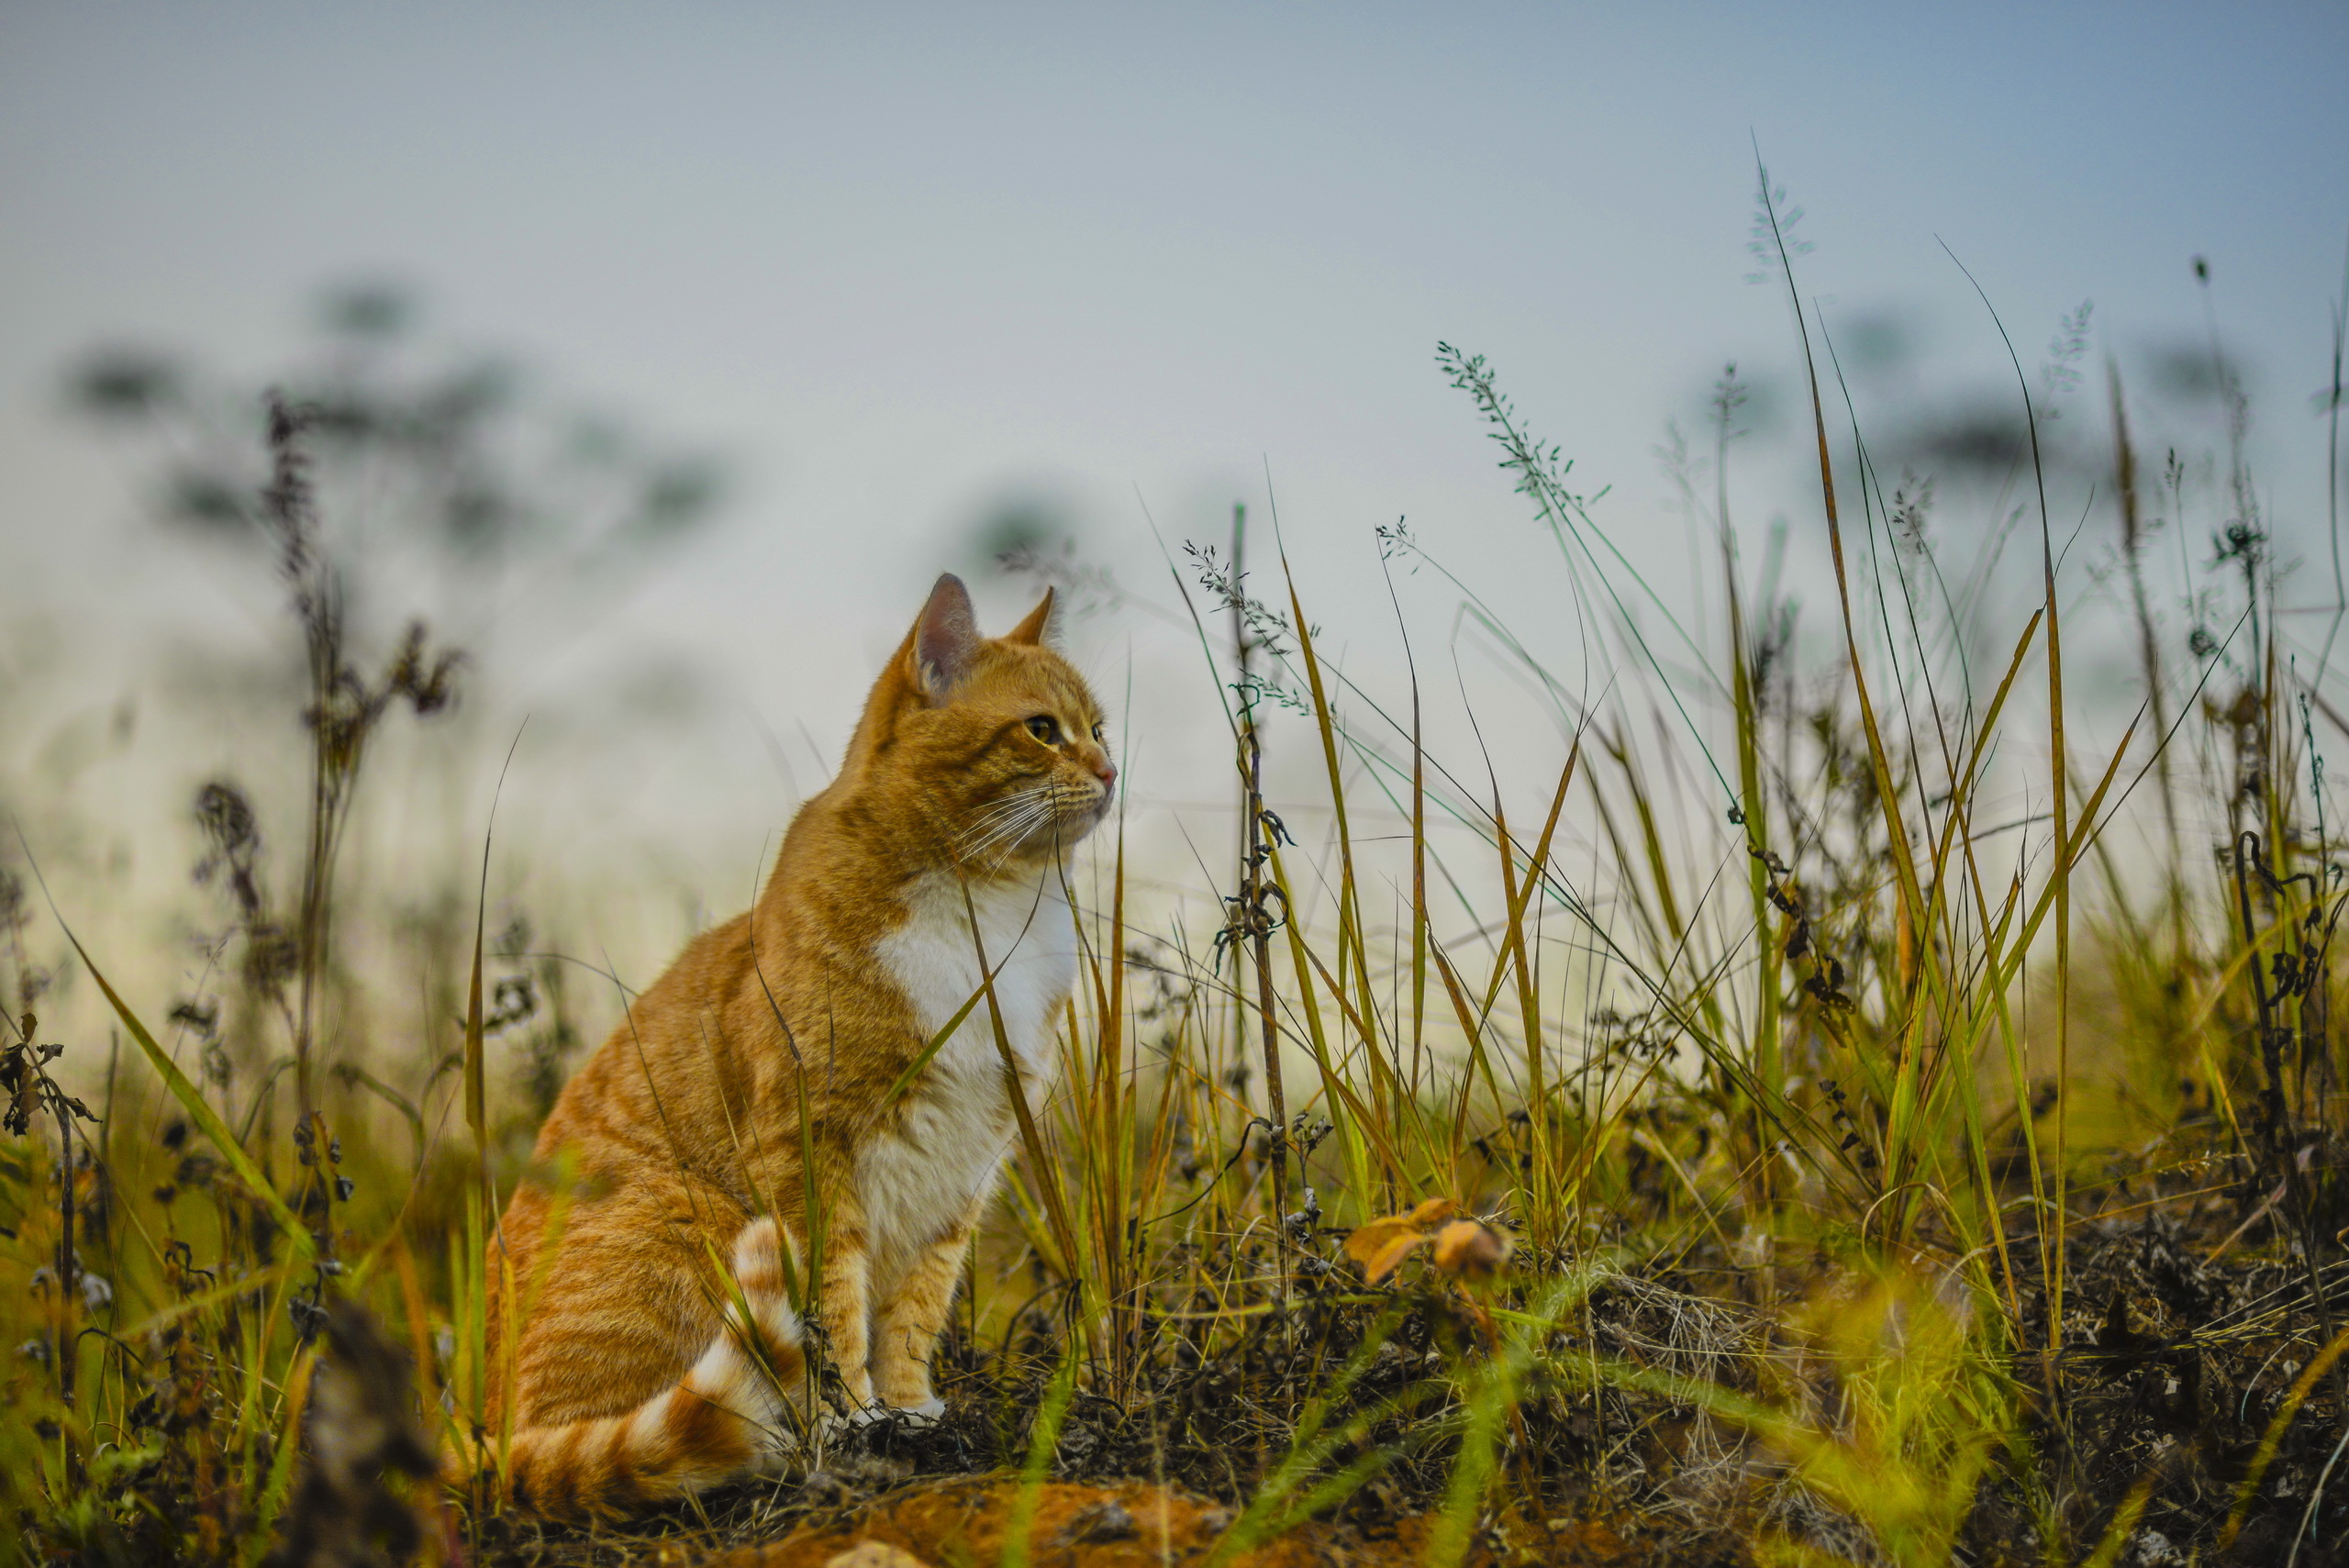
(2175, 1366)
(1131, 1524)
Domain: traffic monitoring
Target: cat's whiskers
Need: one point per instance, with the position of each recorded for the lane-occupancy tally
(1008, 833)
(1007, 821)
(992, 818)
(999, 830)
(1063, 803)
(1010, 803)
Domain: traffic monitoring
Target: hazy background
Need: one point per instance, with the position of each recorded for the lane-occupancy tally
(916, 281)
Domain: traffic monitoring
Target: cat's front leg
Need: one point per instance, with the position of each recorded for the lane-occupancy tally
(844, 1300)
(914, 1315)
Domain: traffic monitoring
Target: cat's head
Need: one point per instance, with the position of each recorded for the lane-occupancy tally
(992, 747)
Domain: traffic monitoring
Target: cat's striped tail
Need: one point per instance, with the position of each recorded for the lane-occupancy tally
(733, 1414)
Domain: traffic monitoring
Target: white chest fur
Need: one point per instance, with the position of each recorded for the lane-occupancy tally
(916, 1183)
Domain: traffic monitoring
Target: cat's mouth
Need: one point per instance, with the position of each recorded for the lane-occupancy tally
(1096, 798)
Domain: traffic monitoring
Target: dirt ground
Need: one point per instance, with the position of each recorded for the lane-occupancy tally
(1134, 1525)
(2176, 1368)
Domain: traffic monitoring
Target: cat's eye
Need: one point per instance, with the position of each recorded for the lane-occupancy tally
(1045, 728)
(1097, 732)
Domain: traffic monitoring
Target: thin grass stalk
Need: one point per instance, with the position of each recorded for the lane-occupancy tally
(2281, 1156)
(286, 1450)
(1420, 878)
(1657, 938)
(1043, 1174)
(2332, 468)
(1351, 945)
(1252, 925)
(2058, 770)
(468, 1272)
(482, 1207)
(1545, 1215)
(2149, 657)
(1316, 1449)
(1879, 759)
(2327, 1360)
(1371, 1125)
(199, 1110)
(1123, 1251)
(1752, 815)
(1491, 1405)
(1355, 1123)
(432, 1499)
(1043, 1441)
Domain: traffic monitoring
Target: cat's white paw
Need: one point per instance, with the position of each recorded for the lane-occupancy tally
(832, 1424)
(914, 1417)
(904, 1417)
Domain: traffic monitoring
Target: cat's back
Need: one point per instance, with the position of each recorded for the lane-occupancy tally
(672, 1056)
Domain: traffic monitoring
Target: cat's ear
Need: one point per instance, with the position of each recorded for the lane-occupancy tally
(945, 637)
(1042, 626)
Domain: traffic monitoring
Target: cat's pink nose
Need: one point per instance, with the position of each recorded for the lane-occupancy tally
(1107, 771)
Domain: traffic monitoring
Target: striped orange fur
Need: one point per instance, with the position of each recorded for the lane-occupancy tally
(658, 1352)
(731, 1412)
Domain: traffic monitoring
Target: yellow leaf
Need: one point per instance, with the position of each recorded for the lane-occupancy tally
(1390, 1257)
(1434, 1212)
(1470, 1247)
(1370, 1239)
(1381, 1246)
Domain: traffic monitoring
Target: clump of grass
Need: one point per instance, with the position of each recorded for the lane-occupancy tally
(1851, 1165)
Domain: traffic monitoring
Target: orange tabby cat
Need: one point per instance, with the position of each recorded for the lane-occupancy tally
(661, 1353)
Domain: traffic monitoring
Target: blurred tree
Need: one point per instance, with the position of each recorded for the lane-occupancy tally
(444, 476)
(385, 482)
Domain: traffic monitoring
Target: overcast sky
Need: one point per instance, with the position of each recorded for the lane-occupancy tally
(904, 265)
